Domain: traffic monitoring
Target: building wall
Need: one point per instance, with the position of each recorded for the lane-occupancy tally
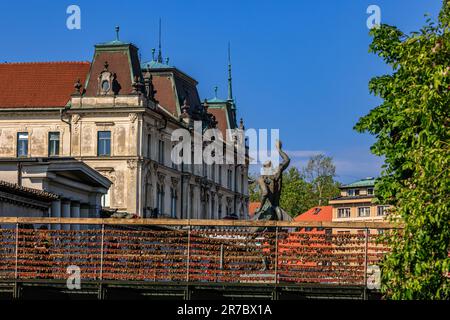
(38, 124)
(354, 211)
(134, 172)
(8, 209)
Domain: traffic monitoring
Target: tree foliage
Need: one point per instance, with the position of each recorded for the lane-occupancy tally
(253, 189)
(320, 173)
(296, 196)
(412, 130)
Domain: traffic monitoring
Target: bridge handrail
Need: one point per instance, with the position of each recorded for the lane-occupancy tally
(203, 222)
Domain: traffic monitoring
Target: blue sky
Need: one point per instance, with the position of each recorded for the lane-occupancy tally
(300, 66)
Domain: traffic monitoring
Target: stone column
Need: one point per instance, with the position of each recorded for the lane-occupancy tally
(75, 213)
(65, 212)
(84, 210)
(56, 209)
(84, 213)
(55, 212)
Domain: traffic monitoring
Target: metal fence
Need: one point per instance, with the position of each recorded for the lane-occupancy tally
(191, 250)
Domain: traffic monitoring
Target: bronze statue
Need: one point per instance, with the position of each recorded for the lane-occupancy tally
(270, 184)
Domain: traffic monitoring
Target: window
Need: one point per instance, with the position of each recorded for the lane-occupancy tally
(370, 191)
(229, 178)
(351, 192)
(382, 210)
(220, 209)
(205, 170)
(106, 202)
(161, 151)
(149, 146)
(53, 144)
(308, 229)
(22, 144)
(213, 172)
(191, 203)
(364, 212)
(173, 203)
(104, 143)
(220, 174)
(344, 213)
(160, 199)
(242, 183)
(213, 206)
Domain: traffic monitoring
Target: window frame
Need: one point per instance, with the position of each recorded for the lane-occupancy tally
(384, 208)
(363, 209)
(161, 151)
(50, 140)
(27, 141)
(104, 140)
(345, 209)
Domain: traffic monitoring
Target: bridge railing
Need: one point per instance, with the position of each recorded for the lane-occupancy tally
(161, 250)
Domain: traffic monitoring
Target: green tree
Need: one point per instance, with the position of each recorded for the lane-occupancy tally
(253, 189)
(412, 130)
(320, 173)
(296, 195)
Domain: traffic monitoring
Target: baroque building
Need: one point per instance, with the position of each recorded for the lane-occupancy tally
(118, 120)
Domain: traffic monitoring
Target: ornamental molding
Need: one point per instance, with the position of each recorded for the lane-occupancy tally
(161, 177)
(133, 117)
(174, 181)
(132, 164)
(75, 118)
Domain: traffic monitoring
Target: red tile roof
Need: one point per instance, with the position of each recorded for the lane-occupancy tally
(252, 207)
(324, 213)
(27, 192)
(221, 118)
(39, 84)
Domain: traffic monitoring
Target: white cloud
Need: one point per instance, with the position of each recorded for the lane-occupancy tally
(303, 153)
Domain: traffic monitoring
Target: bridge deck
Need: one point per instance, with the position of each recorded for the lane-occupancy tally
(190, 258)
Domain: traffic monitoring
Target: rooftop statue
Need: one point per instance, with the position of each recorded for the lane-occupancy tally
(270, 184)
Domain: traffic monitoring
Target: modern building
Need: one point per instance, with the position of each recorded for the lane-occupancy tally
(116, 114)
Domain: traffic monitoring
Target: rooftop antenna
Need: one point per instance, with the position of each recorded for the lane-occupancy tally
(153, 54)
(117, 33)
(160, 58)
(230, 82)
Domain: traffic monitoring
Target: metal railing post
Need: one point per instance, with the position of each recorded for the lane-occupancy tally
(101, 251)
(276, 255)
(188, 254)
(16, 273)
(366, 261)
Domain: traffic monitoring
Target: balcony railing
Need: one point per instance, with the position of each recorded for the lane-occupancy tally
(160, 250)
